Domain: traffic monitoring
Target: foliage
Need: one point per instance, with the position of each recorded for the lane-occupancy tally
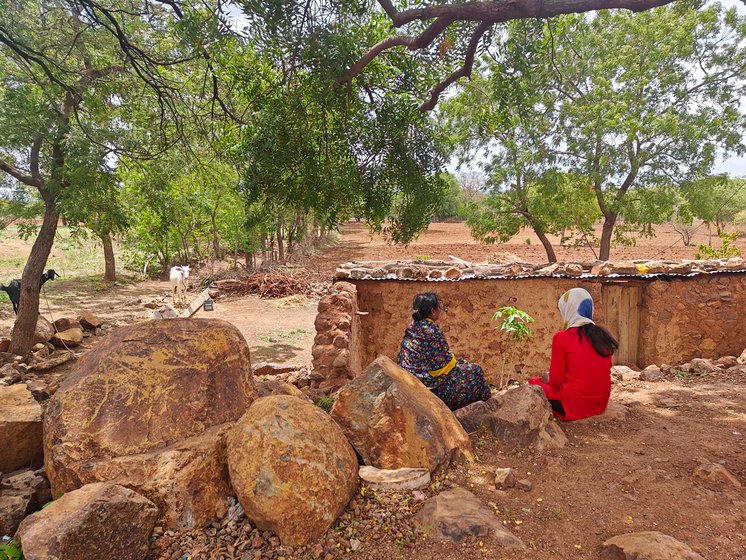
(715, 199)
(727, 249)
(329, 151)
(515, 324)
(626, 105)
(11, 551)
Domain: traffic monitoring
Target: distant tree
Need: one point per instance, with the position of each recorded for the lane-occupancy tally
(76, 71)
(715, 199)
(634, 103)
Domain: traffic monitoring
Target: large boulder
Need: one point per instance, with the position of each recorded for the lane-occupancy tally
(20, 428)
(149, 407)
(457, 513)
(393, 421)
(95, 522)
(646, 545)
(291, 467)
(520, 417)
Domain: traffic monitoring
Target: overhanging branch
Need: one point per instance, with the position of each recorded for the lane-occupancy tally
(488, 14)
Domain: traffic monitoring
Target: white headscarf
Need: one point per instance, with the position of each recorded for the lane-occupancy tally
(576, 306)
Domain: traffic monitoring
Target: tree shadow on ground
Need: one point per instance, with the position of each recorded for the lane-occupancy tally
(275, 353)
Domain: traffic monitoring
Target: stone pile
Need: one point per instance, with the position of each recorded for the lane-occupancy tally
(177, 417)
(435, 270)
(729, 365)
(335, 335)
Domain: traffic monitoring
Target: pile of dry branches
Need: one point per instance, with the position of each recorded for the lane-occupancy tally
(273, 284)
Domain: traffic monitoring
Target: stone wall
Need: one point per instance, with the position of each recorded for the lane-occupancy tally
(337, 355)
(697, 317)
(658, 319)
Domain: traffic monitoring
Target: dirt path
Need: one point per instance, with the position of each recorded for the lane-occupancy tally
(277, 331)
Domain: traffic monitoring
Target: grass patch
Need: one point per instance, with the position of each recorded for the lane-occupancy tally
(325, 403)
(280, 336)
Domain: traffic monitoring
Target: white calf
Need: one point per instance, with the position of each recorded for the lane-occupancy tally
(179, 283)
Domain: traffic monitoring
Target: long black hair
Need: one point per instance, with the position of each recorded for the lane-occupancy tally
(603, 343)
(424, 304)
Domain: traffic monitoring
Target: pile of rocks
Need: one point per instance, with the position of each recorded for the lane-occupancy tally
(177, 417)
(457, 269)
(729, 365)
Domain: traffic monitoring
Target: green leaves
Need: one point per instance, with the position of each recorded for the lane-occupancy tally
(514, 322)
(582, 116)
(11, 551)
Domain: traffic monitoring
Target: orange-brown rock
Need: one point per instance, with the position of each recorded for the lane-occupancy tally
(20, 428)
(520, 417)
(646, 545)
(122, 414)
(68, 339)
(44, 330)
(393, 421)
(185, 480)
(291, 467)
(89, 321)
(96, 522)
(65, 323)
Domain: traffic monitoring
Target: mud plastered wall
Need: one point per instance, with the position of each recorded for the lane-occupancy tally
(468, 325)
(658, 321)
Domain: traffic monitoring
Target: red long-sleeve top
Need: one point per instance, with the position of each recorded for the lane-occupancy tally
(579, 377)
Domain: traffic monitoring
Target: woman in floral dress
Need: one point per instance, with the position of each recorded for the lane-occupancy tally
(425, 354)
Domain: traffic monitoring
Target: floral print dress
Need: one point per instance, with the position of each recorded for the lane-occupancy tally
(425, 354)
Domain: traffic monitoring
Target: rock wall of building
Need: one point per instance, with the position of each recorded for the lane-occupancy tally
(337, 354)
(698, 317)
(675, 319)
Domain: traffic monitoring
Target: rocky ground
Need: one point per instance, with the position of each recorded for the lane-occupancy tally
(659, 462)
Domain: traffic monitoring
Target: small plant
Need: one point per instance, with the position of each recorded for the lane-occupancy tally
(728, 248)
(11, 551)
(515, 326)
(325, 403)
(423, 258)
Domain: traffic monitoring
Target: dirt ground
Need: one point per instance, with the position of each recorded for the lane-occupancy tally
(618, 477)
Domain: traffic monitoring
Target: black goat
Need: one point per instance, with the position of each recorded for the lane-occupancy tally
(14, 288)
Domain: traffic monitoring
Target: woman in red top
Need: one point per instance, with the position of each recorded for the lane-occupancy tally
(579, 382)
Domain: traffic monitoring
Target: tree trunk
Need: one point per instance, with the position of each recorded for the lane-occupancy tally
(547, 245)
(110, 268)
(606, 234)
(280, 245)
(215, 240)
(22, 337)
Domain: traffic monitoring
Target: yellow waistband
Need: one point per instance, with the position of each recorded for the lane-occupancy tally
(445, 369)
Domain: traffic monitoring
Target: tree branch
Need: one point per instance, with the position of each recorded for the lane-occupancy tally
(487, 13)
(505, 10)
(20, 174)
(462, 72)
